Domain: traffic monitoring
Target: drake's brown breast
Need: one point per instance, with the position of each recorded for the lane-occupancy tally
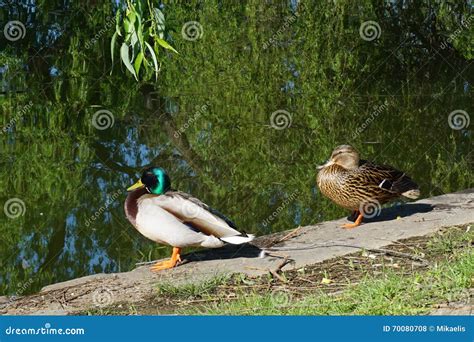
(131, 205)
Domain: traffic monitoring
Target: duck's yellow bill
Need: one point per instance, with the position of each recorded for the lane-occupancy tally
(137, 185)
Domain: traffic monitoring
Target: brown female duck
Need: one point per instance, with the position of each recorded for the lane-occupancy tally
(361, 186)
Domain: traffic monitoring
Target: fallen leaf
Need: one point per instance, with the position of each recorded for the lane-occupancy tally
(326, 281)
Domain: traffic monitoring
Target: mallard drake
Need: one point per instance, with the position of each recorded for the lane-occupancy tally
(360, 185)
(176, 218)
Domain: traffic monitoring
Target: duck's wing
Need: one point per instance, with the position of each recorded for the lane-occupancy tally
(204, 206)
(389, 179)
(199, 215)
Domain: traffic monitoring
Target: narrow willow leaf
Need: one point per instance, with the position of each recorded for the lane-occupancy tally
(127, 26)
(153, 56)
(131, 15)
(134, 40)
(160, 22)
(139, 9)
(117, 23)
(165, 44)
(138, 62)
(156, 47)
(112, 46)
(139, 30)
(126, 59)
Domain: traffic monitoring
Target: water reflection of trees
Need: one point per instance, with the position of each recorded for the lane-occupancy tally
(318, 69)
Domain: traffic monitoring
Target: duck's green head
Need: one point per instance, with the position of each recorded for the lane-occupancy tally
(154, 179)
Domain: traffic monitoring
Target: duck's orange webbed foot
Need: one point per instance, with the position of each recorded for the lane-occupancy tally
(164, 265)
(357, 222)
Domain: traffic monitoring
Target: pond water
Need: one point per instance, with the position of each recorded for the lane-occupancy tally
(240, 118)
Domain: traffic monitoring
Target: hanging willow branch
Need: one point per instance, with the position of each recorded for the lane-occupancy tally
(140, 37)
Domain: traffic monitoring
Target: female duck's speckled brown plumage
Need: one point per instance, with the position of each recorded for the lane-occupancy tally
(357, 184)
